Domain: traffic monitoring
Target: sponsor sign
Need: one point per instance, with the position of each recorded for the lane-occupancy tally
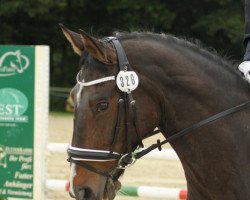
(17, 121)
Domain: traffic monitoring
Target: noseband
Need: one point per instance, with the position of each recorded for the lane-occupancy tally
(127, 105)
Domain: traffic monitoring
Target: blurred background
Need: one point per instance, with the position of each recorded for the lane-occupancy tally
(218, 24)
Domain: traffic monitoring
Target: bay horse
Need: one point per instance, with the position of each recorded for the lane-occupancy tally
(179, 84)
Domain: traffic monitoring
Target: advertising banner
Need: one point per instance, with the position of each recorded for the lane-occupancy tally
(17, 120)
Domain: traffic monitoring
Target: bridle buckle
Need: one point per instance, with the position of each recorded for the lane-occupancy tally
(126, 161)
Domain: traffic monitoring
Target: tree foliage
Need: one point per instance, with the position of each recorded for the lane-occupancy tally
(216, 23)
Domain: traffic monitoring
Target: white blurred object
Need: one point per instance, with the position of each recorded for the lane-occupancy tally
(244, 67)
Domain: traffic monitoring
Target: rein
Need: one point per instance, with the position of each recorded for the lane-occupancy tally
(127, 104)
(192, 128)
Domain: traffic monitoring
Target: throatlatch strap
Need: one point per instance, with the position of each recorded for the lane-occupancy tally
(135, 120)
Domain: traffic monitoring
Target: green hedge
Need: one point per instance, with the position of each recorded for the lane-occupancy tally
(217, 24)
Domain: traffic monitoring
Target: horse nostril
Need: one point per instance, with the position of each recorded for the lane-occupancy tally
(81, 194)
(84, 194)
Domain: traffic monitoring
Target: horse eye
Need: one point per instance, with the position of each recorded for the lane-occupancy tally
(102, 106)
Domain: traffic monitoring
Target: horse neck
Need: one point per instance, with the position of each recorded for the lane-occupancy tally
(192, 88)
(187, 82)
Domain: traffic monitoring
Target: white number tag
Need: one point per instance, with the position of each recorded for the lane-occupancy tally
(127, 81)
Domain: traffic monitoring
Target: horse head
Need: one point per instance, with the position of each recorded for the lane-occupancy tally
(100, 135)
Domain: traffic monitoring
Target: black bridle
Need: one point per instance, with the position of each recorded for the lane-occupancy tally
(127, 107)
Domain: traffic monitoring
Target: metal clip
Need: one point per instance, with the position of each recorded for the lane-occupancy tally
(124, 164)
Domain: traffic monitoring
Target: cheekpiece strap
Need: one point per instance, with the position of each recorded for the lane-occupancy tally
(122, 58)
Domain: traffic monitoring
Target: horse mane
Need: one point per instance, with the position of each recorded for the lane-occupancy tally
(193, 45)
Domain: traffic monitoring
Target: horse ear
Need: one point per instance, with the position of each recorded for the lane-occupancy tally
(98, 49)
(74, 39)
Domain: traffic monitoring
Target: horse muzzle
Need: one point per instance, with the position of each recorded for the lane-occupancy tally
(84, 193)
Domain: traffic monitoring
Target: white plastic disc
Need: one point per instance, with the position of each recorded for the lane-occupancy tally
(127, 81)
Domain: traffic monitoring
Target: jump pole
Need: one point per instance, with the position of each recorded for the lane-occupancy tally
(153, 192)
(132, 191)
